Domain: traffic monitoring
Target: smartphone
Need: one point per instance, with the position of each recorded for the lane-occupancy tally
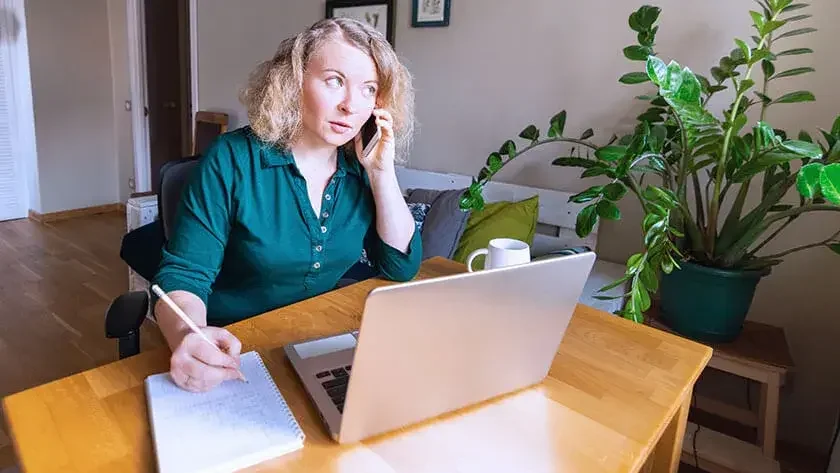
(370, 135)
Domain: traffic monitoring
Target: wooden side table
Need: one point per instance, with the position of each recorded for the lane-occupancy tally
(760, 354)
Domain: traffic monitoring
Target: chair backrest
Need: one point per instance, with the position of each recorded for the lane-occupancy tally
(208, 125)
(173, 178)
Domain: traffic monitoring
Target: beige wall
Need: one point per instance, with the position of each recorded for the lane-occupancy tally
(121, 92)
(503, 65)
(72, 93)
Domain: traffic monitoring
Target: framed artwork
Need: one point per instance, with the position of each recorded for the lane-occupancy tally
(377, 13)
(430, 13)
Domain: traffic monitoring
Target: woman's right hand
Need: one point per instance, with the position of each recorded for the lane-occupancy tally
(196, 366)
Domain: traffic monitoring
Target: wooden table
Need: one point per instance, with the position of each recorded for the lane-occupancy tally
(616, 399)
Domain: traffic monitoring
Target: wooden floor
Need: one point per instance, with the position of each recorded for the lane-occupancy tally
(56, 282)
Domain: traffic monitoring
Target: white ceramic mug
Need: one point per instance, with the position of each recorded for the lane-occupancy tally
(502, 252)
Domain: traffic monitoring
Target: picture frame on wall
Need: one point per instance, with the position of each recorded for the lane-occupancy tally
(377, 13)
(430, 13)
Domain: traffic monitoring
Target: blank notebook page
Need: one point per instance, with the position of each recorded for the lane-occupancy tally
(230, 427)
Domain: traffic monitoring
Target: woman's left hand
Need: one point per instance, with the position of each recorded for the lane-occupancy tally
(381, 158)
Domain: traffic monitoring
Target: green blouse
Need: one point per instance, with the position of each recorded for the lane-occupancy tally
(246, 239)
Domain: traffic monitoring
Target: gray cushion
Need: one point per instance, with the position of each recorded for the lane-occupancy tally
(444, 223)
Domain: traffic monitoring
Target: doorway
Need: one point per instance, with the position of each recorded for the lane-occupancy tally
(168, 82)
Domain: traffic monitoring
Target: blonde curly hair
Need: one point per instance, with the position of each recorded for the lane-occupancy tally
(273, 93)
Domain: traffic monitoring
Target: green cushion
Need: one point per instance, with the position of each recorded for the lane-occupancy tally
(498, 220)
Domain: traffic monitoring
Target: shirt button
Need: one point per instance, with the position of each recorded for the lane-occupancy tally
(317, 265)
(328, 197)
(318, 248)
(323, 229)
(326, 214)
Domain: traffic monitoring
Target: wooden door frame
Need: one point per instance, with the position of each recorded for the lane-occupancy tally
(136, 28)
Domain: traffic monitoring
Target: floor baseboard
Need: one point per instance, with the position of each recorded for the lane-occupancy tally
(75, 213)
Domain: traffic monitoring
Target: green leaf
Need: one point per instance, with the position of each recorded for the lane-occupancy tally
(765, 99)
(641, 297)
(650, 117)
(633, 78)
(744, 48)
(598, 171)
(635, 22)
(835, 247)
(797, 18)
(835, 130)
(586, 220)
(803, 148)
(574, 162)
(793, 72)
(589, 194)
(657, 71)
(768, 68)
(611, 153)
(771, 26)
(804, 136)
(796, 32)
(588, 133)
(648, 16)
(719, 74)
(614, 191)
(758, 20)
(690, 89)
(615, 284)
(795, 52)
(658, 135)
(494, 161)
(648, 278)
(530, 133)
(637, 53)
(808, 180)
(795, 6)
(829, 138)
(508, 148)
(796, 97)
(830, 183)
(633, 262)
(745, 85)
(656, 194)
(558, 123)
(762, 163)
(608, 210)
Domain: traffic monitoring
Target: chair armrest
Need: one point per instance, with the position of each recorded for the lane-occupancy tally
(126, 313)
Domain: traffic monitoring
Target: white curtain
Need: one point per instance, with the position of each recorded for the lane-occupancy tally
(13, 191)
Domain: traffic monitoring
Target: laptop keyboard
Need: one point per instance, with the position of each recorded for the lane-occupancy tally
(335, 382)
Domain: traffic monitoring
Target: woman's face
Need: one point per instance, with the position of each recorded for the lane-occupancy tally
(339, 94)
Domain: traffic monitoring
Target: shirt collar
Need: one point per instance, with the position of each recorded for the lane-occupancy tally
(273, 156)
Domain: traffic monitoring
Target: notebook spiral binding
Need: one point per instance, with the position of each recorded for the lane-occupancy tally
(290, 417)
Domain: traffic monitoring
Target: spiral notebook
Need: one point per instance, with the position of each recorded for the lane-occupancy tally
(230, 427)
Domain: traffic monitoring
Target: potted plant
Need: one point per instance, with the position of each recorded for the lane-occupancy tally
(692, 170)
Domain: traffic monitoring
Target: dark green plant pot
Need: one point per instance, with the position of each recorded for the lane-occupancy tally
(707, 304)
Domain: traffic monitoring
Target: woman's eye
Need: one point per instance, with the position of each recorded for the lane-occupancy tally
(334, 82)
(370, 91)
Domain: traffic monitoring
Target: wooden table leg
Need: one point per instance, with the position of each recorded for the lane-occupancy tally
(769, 414)
(666, 456)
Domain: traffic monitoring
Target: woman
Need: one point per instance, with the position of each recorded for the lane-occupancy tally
(278, 211)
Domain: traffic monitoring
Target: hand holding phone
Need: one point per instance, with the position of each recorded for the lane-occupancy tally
(370, 136)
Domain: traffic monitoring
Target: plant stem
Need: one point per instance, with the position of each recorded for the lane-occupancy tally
(701, 215)
(803, 247)
(801, 210)
(773, 235)
(534, 144)
(714, 205)
(631, 183)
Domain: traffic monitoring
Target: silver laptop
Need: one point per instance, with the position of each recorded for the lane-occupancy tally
(431, 346)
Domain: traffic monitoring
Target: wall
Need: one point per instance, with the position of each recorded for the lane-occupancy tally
(121, 87)
(503, 65)
(73, 103)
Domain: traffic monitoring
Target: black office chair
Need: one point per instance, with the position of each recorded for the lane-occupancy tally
(126, 313)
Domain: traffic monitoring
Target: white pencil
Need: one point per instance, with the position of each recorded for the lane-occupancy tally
(187, 320)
